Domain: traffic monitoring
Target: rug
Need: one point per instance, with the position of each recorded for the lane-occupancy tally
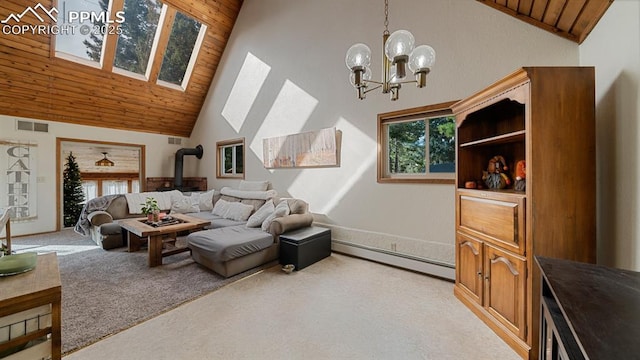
(104, 292)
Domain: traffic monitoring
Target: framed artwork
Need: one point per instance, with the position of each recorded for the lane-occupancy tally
(308, 149)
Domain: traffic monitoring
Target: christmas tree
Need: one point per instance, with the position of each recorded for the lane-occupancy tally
(72, 191)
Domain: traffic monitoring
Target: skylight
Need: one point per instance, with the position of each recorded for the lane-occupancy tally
(137, 36)
(86, 43)
(182, 50)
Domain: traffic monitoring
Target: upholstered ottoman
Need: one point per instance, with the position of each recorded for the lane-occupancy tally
(305, 246)
(233, 249)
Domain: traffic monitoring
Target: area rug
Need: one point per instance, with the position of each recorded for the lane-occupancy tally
(104, 292)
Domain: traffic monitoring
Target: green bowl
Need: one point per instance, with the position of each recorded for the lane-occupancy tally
(17, 263)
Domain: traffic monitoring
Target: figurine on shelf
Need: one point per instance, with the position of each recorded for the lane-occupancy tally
(496, 177)
(521, 175)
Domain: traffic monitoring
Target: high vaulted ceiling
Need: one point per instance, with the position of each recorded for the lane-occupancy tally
(34, 83)
(572, 19)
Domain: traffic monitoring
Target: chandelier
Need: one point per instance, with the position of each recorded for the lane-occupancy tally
(104, 161)
(399, 52)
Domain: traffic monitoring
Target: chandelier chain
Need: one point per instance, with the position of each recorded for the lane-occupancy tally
(386, 17)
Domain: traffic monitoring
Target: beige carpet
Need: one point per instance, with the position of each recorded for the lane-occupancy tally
(339, 308)
(104, 292)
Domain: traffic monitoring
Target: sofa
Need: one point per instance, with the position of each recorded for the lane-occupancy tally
(99, 216)
(239, 237)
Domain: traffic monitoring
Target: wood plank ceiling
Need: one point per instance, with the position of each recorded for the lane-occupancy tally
(571, 19)
(34, 83)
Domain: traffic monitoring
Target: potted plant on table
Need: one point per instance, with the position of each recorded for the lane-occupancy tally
(151, 209)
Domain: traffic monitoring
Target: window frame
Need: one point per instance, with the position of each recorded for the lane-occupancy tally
(412, 114)
(152, 53)
(75, 58)
(197, 46)
(220, 145)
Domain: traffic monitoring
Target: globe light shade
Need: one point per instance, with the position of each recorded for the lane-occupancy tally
(365, 76)
(358, 55)
(399, 44)
(422, 58)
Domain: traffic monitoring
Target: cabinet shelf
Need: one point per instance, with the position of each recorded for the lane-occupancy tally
(493, 191)
(515, 136)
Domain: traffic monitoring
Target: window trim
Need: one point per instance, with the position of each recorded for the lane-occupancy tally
(417, 113)
(220, 174)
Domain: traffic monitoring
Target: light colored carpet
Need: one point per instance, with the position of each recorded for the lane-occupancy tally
(338, 308)
(104, 292)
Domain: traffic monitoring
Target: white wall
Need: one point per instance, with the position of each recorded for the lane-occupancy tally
(613, 47)
(283, 72)
(159, 162)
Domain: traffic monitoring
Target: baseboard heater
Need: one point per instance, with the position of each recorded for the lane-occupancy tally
(426, 266)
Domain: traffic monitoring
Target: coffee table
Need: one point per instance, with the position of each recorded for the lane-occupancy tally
(137, 230)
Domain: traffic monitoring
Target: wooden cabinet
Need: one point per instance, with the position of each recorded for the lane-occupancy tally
(544, 116)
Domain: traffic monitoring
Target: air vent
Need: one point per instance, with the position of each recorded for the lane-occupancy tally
(32, 126)
(175, 141)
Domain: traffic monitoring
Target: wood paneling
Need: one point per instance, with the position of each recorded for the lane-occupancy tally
(36, 84)
(572, 19)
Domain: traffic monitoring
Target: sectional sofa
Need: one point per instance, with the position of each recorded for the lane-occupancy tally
(244, 231)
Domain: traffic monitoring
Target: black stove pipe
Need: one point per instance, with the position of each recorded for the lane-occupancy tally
(197, 151)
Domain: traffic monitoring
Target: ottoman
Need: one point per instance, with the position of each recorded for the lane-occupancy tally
(305, 246)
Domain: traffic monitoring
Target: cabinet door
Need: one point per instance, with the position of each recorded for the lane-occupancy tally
(469, 266)
(504, 293)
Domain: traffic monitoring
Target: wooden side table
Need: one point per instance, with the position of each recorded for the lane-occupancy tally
(30, 309)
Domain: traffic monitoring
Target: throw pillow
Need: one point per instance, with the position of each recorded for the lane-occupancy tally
(282, 209)
(238, 211)
(258, 217)
(184, 205)
(253, 185)
(220, 207)
(205, 200)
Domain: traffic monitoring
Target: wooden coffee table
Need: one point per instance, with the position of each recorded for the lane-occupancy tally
(138, 230)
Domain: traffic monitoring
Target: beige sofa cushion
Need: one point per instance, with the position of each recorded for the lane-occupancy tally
(253, 185)
(282, 209)
(261, 214)
(98, 218)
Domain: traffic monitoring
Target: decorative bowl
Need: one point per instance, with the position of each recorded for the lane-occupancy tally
(17, 263)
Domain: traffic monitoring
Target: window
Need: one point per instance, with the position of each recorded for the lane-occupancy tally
(182, 51)
(417, 145)
(137, 36)
(90, 189)
(230, 155)
(85, 44)
(111, 187)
